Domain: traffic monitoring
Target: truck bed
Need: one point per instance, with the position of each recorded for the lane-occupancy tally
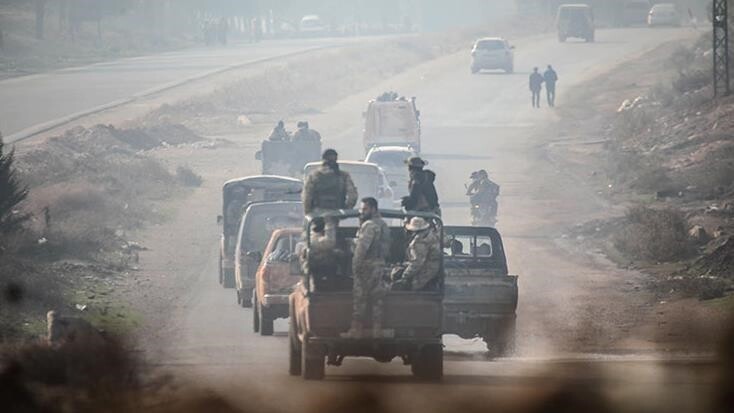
(408, 314)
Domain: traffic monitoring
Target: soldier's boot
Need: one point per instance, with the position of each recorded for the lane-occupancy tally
(355, 331)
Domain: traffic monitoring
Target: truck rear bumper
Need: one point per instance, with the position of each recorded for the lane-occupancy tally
(381, 349)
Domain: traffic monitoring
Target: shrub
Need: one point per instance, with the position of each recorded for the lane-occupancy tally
(187, 177)
(653, 234)
(12, 193)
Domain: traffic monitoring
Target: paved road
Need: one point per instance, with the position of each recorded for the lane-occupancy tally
(36, 102)
(470, 122)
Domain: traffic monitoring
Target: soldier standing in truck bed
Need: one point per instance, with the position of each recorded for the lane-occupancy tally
(371, 248)
(328, 188)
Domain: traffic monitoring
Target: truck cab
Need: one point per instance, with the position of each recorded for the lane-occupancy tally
(391, 120)
(321, 310)
(480, 296)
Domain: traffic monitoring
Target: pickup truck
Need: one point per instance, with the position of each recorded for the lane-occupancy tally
(321, 309)
(278, 272)
(256, 227)
(480, 297)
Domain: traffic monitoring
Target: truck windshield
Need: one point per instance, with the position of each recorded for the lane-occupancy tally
(260, 223)
(468, 246)
(490, 45)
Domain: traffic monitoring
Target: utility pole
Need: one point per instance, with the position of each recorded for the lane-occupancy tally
(721, 47)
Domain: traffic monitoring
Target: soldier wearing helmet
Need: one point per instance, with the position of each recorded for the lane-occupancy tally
(424, 257)
(422, 191)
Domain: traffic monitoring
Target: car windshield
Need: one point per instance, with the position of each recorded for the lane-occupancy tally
(261, 222)
(490, 45)
(390, 159)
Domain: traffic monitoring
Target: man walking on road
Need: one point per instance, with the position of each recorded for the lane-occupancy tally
(550, 77)
(370, 250)
(536, 84)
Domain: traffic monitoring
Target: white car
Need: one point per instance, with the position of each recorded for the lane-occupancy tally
(313, 25)
(392, 160)
(663, 14)
(492, 53)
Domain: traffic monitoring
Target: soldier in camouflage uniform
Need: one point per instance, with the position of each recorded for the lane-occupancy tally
(370, 250)
(424, 257)
(328, 188)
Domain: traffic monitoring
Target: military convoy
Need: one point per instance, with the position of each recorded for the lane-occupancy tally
(265, 254)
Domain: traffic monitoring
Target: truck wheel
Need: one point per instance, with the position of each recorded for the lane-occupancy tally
(221, 271)
(510, 69)
(501, 340)
(428, 363)
(266, 322)
(312, 361)
(255, 316)
(561, 38)
(228, 280)
(294, 360)
(474, 70)
(247, 297)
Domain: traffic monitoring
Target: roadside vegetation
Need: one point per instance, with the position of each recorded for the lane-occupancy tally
(68, 210)
(669, 156)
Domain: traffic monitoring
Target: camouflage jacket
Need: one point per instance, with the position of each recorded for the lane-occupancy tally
(372, 244)
(424, 259)
(320, 192)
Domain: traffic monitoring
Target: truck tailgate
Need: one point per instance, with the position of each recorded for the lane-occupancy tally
(409, 314)
(490, 295)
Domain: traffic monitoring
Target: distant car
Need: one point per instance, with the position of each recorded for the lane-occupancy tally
(492, 53)
(369, 179)
(392, 120)
(575, 20)
(392, 160)
(663, 14)
(313, 25)
(634, 12)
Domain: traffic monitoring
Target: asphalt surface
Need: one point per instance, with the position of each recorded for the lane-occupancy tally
(36, 103)
(469, 122)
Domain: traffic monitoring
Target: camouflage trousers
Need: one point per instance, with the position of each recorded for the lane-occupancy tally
(368, 292)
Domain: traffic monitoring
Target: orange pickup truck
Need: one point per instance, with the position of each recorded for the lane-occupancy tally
(278, 272)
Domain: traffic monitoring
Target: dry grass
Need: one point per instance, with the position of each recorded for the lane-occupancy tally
(657, 235)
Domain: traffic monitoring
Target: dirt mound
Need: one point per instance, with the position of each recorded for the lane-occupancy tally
(720, 261)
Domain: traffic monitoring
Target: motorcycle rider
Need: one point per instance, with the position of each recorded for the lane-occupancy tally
(483, 192)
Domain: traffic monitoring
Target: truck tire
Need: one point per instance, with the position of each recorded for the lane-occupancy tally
(266, 322)
(228, 278)
(255, 316)
(221, 271)
(428, 363)
(294, 359)
(312, 361)
(247, 297)
(500, 340)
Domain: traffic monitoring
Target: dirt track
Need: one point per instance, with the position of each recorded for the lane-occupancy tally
(572, 305)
